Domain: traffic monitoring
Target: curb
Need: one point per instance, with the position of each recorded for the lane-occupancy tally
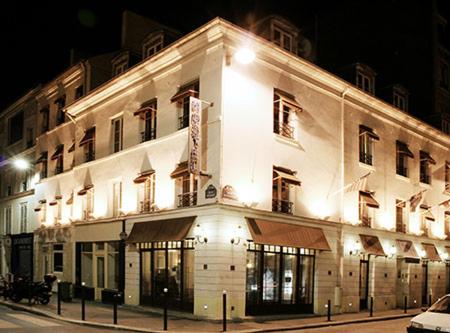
(252, 330)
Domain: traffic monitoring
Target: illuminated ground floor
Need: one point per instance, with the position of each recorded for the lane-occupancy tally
(266, 263)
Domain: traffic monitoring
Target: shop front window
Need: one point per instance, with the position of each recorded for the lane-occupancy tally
(279, 279)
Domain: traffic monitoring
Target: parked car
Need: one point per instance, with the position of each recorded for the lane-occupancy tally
(435, 319)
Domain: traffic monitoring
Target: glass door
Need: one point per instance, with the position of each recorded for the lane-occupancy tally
(424, 283)
(363, 284)
(271, 273)
(289, 279)
(146, 278)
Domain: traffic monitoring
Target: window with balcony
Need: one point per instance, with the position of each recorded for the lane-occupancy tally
(117, 134)
(87, 202)
(58, 156)
(88, 144)
(283, 180)
(153, 46)
(400, 221)
(60, 114)
(147, 113)
(147, 191)
(426, 217)
(186, 184)
(447, 177)
(284, 109)
(366, 138)
(367, 206)
(45, 119)
(447, 224)
(41, 162)
(402, 155)
(425, 167)
(182, 100)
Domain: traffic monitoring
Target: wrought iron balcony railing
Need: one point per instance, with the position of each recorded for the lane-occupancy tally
(187, 199)
(148, 134)
(89, 156)
(147, 206)
(183, 121)
(402, 171)
(282, 206)
(284, 129)
(424, 178)
(365, 158)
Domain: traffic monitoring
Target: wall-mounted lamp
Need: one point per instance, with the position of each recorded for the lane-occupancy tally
(244, 55)
(355, 248)
(199, 235)
(392, 251)
(21, 164)
(238, 236)
(422, 253)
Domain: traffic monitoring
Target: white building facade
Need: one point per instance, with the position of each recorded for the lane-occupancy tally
(307, 189)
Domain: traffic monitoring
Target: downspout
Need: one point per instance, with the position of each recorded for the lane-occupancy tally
(340, 243)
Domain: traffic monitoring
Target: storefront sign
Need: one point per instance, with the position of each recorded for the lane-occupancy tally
(211, 192)
(195, 114)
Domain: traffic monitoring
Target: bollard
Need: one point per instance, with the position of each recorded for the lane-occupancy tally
(59, 297)
(115, 298)
(406, 304)
(329, 310)
(429, 300)
(165, 309)
(83, 316)
(371, 306)
(224, 311)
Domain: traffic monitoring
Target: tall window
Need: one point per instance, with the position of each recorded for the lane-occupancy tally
(117, 198)
(182, 100)
(42, 162)
(88, 143)
(45, 119)
(283, 39)
(447, 177)
(426, 217)
(447, 223)
(425, 167)
(282, 178)
(367, 206)
(23, 217)
(284, 108)
(402, 155)
(43, 211)
(58, 158)
(8, 210)
(153, 46)
(29, 137)
(60, 114)
(58, 256)
(15, 128)
(117, 134)
(87, 202)
(400, 100)
(150, 122)
(400, 225)
(365, 82)
(366, 138)
(148, 200)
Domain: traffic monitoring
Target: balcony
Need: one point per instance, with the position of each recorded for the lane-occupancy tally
(284, 129)
(147, 206)
(402, 171)
(400, 227)
(183, 121)
(58, 170)
(365, 158)
(89, 156)
(187, 199)
(282, 206)
(425, 179)
(43, 174)
(148, 135)
(366, 221)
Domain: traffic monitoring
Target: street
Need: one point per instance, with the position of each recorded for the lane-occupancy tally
(20, 322)
(391, 326)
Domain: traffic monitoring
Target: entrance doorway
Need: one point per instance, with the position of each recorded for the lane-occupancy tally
(279, 279)
(363, 284)
(424, 283)
(168, 265)
(22, 255)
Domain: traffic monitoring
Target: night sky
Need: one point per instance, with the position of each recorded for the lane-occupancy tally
(38, 36)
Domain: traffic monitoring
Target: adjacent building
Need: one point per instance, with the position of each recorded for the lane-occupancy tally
(224, 162)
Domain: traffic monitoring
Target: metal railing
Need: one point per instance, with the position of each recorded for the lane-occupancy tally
(187, 199)
(424, 178)
(402, 171)
(146, 206)
(148, 134)
(366, 221)
(284, 129)
(365, 158)
(282, 206)
(42, 174)
(89, 156)
(400, 228)
(58, 170)
(183, 121)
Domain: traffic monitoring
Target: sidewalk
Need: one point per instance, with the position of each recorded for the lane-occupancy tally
(138, 319)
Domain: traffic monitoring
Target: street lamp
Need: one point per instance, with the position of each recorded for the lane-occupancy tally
(244, 55)
(21, 164)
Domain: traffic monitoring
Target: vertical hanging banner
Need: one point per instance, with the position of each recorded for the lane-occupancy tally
(195, 120)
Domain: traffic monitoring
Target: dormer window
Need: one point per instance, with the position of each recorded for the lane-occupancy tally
(182, 100)
(365, 78)
(120, 64)
(152, 46)
(119, 68)
(282, 38)
(400, 98)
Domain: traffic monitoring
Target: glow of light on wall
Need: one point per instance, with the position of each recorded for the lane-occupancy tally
(444, 256)
(34, 179)
(320, 208)
(129, 200)
(351, 214)
(247, 194)
(100, 206)
(244, 55)
(164, 195)
(438, 230)
(415, 223)
(422, 253)
(386, 220)
(21, 164)
(352, 246)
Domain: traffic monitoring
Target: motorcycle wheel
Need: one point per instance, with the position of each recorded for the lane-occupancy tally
(44, 300)
(15, 297)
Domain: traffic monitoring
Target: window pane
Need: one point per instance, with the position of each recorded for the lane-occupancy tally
(289, 276)
(58, 262)
(188, 276)
(86, 269)
(113, 271)
(146, 274)
(174, 267)
(305, 292)
(253, 277)
(271, 276)
(100, 272)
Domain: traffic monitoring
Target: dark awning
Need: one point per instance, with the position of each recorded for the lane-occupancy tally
(70, 200)
(190, 89)
(161, 230)
(37, 209)
(368, 199)
(372, 245)
(427, 213)
(89, 135)
(53, 203)
(286, 174)
(181, 170)
(288, 99)
(424, 156)
(406, 249)
(146, 107)
(402, 148)
(58, 152)
(84, 190)
(285, 234)
(431, 252)
(447, 248)
(364, 130)
(42, 158)
(143, 176)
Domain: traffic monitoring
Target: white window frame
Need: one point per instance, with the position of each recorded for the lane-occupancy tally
(361, 78)
(23, 217)
(120, 67)
(153, 46)
(114, 122)
(283, 36)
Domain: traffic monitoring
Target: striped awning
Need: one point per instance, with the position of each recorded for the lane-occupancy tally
(368, 199)
(287, 175)
(372, 245)
(424, 156)
(161, 230)
(406, 249)
(89, 135)
(431, 252)
(143, 176)
(286, 234)
(402, 148)
(364, 130)
(84, 190)
(181, 170)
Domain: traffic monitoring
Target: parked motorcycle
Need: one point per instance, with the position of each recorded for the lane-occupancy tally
(39, 291)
